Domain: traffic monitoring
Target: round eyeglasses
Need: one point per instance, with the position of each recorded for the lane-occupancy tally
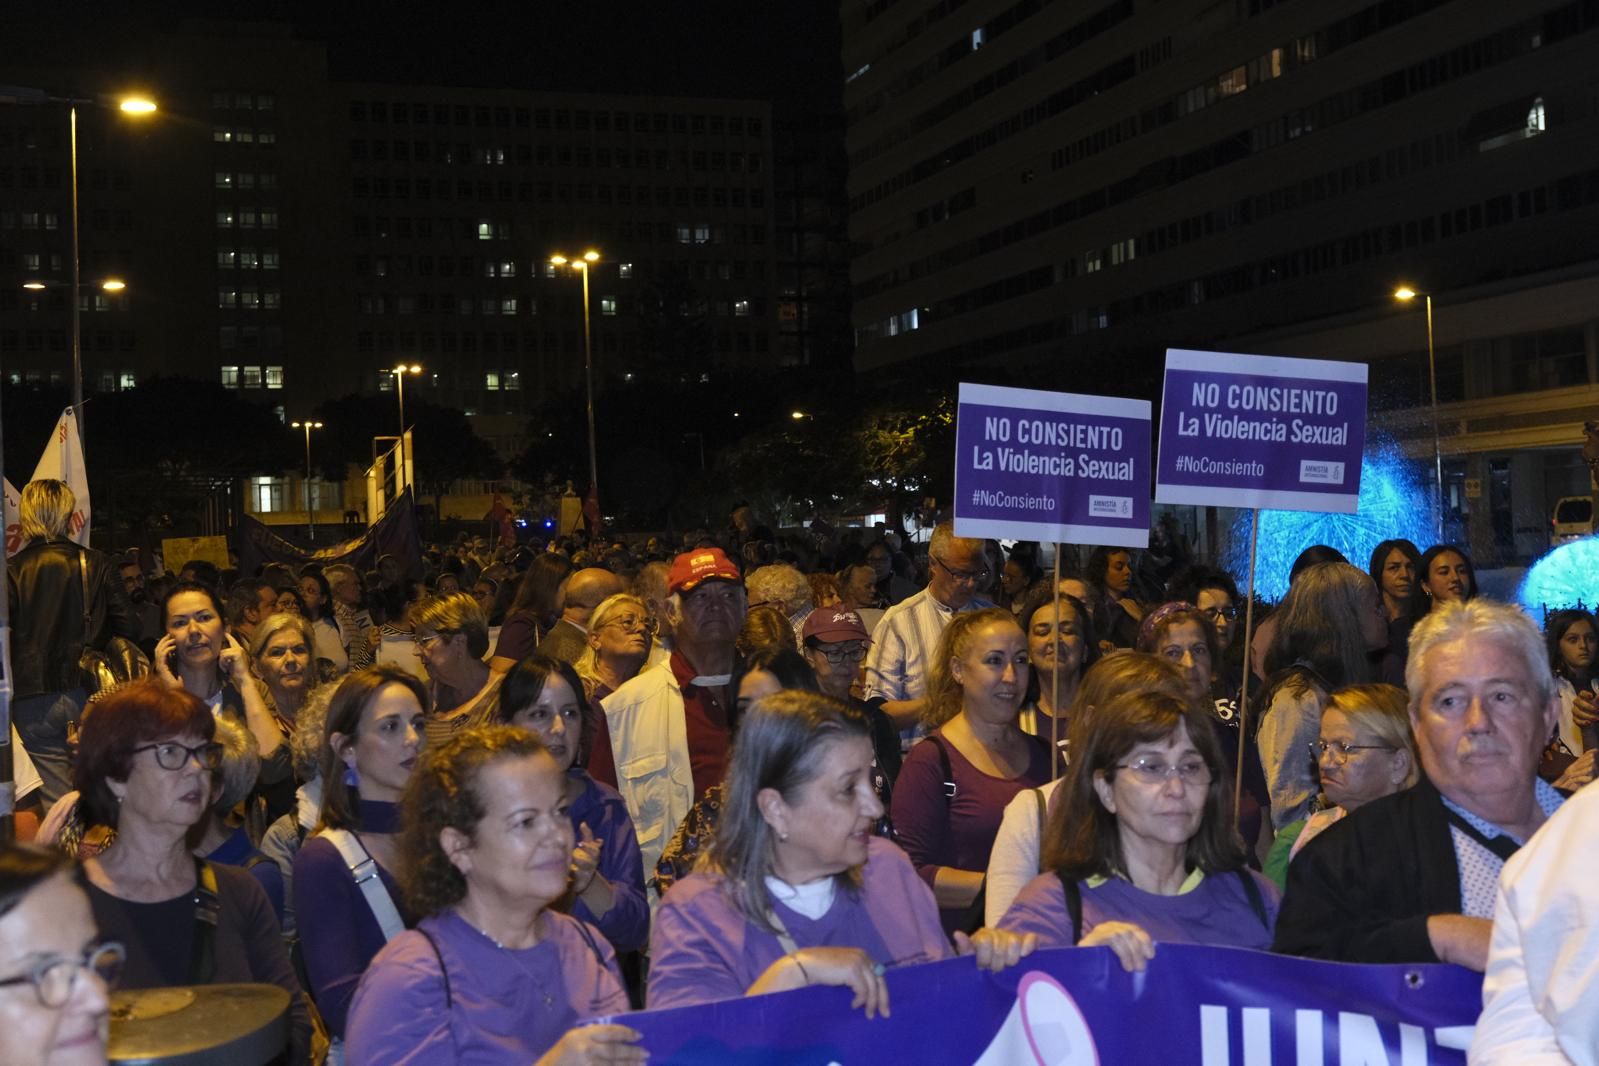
(53, 977)
(170, 755)
(632, 623)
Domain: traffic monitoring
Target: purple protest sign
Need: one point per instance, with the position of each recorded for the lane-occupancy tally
(1261, 431)
(1052, 466)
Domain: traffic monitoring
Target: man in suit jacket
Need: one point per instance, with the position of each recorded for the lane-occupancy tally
(582, 592)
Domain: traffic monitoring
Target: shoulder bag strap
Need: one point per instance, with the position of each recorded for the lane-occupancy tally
(364, 871)
(444, 971)
(207, 906)
(1502, 846)
(1074, 904)
(784, 940)
(944, 768)
(1257, 902)
(88, 617)
(1043, 820)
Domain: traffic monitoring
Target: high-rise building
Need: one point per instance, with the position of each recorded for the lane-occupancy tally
(291, 235)
(1069, 189)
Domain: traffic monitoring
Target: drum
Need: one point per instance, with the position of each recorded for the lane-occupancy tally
(207, 1025)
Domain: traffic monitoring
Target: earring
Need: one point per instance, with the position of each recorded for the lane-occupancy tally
(783, 837)
(351, 778)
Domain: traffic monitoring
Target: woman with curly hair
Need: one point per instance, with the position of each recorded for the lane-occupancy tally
(953, 787)
(490, 973)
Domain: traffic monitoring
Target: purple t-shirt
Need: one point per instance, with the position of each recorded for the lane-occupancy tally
(338, 932)
(704, 950)
(1216, 911)
(627, 924)
(936, 830)
(505, 1006)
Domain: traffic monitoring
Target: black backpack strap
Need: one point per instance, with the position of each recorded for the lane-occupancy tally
(1257, 902)
(207, 906)
(444, 971)
(1074, 904)
(944, 768)
(1043, 820)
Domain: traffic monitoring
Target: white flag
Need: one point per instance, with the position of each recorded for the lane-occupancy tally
(13, 509)
(63, 460)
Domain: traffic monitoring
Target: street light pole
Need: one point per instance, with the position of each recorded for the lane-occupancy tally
(588, 259)
(77, 312)
(310, 518)
(403, 476)
(1406, 293)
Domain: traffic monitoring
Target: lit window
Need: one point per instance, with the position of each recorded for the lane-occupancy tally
(549, 270)
(227, 298)
(268, 494)
(741, 308)
(1535, 117)
(274, 377)
(230, 377)
(222, 135)
(513, 380)
(977, 38)
(508, 305)
(491, 380)
(252, 377)
(624, 270)
(126, 380)
(224, 179)
(227, 257)
(607, 305)
(226, 219)
(1093, 260)
(485, 230)
(250, 300)
(508, 268)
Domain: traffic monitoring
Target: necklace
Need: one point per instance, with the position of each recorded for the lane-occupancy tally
(515, 955)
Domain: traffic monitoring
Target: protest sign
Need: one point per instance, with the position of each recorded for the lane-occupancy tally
(1078, 1007)
(1052, 466)
(1261, 431)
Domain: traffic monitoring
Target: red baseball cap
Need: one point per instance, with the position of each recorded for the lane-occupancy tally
(832, 625)
(692, 568)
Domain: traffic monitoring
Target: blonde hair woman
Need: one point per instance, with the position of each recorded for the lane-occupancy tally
(453, 636)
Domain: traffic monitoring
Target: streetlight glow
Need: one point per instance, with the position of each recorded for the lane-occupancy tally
(558, 260)
(136, 105)
(1405, 292)
(797, 415)
(113, 285)
(33, 286)
(591, 256)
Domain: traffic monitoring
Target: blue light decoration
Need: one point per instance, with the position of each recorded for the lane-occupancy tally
(1394, 502)
(1566, 576)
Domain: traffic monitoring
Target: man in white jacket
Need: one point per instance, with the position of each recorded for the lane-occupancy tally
(1541, 991)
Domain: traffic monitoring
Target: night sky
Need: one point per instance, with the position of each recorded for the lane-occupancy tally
(785, 51)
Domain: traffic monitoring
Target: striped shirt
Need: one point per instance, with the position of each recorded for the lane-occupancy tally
(904, 644)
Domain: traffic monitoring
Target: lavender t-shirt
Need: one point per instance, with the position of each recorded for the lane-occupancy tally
(703, 949)
(506, 1005)
(1216, 911)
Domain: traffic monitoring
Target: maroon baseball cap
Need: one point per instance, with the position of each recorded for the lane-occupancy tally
(693, 568)
(832, 625)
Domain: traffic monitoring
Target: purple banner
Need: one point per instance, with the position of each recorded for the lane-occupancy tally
(1077, 1007)
(1052, 466)
(1261, 431)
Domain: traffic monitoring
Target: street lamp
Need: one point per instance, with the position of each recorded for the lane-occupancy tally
(128, 105)
(582, 264)
(310, 527)
(1404, 294)
(399, 371)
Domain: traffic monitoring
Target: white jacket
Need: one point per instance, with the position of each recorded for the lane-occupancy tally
(649, 739)
(1541, 990)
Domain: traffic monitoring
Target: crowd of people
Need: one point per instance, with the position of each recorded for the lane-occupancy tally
(458, 813)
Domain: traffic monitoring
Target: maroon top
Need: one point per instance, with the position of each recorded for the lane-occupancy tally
(601, 760)
(937, 830)
(518, 636)
(710, 731)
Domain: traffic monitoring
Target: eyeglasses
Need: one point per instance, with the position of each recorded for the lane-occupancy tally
(52, 977)
(170, 755)
(968, 577)
(1341, 751)
(1217, 614)
(426, 642)
(1151, 771)
(852, 653)
(633, 623)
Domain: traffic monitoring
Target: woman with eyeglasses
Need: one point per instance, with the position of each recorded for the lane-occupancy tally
(545, 697)
(452, 637)
(146, 756)
(1140, 847)
(347, 899)
(795, 889)
(56, 973)
(621, 635)
(1364, 751)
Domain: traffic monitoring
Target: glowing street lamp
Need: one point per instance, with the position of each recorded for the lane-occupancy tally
(310, 527)
(1405, 294)
(582, 264)
(399, 371)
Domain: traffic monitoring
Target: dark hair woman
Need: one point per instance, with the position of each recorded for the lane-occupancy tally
(56, 972)
(1141, 848)
(370, 741)
(534, 610)
(316, 596)
(796, 890)
(545, 697)
(1116, 615)
(1396, 568)
(491, 972)
(1061, 646)
(1573, 636)
(146, 755)
(1446, 574)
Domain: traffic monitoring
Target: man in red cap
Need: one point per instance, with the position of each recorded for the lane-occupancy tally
(671, 726)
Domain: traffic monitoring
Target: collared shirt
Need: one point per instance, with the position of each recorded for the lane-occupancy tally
(1479, 867)
(904, 644)
(707, 717)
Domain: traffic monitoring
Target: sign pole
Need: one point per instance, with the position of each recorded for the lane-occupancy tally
(1249, 633)
(1054, 677)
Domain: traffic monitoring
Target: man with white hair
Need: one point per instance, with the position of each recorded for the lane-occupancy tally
(1411, 877)
(781, 585)
(903, 645)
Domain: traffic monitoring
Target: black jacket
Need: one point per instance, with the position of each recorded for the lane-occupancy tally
(47, 625)
(1363, 889)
